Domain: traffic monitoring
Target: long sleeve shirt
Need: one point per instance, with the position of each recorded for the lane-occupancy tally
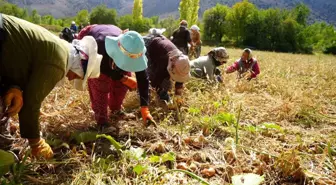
(205, 64)
(196, 37)
(157, 54)
(181, 37)
(35, 60)
(243, 67)
(99, 32)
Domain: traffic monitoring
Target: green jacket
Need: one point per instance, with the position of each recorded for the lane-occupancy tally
(34, 59)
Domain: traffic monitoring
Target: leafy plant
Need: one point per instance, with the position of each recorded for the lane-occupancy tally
(113, 142)
(84, 137)
(170, 156)
(139, 169)
(227, 118)
(7, 159)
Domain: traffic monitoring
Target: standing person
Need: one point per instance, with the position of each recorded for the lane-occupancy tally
(166, 63)
(80, 27)
(181, 37)
(196, 40)
(32, 62)
(247, 66)
(122, 54)
(207, 67)
(73, 27)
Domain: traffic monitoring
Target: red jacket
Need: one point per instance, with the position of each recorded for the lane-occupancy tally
(243, 67)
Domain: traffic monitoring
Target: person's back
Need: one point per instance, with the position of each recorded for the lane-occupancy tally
(195, 37)
(33, 62)
(99, 32)
(73, 27)
(28, 45)
(67, 35)
(157, 53)
(181, 37)
(205, 64)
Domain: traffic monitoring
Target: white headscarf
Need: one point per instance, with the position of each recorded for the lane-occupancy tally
(85, 49)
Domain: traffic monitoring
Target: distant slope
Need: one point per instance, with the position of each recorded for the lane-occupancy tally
(321, 9)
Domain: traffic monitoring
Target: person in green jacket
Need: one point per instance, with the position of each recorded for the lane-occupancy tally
(33, 61)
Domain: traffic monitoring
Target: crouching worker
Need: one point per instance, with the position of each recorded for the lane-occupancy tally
(166, 63)
(33, 61)
(206, 67)
(247, 66)
(122, 54)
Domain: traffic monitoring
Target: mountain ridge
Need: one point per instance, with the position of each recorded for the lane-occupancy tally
(321, 11)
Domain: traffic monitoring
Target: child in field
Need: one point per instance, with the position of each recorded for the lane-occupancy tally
(206, 67)
(247, 66)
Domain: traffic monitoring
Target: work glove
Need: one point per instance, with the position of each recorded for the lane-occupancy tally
(14, 101)
(147, 117)
(129, 82)
(40, 149)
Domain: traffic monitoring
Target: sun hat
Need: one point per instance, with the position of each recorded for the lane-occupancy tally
(178, 66)
(195, 27)
(128, 51)
(84, 60)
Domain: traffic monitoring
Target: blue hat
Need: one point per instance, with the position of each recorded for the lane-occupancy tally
(128, 51)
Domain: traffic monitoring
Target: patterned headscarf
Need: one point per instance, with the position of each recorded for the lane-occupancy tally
(249, 51)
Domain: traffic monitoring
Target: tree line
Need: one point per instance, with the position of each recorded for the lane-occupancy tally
(268, 29)
(243, 25)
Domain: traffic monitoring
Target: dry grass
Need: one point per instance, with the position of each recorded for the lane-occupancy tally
(294, 93)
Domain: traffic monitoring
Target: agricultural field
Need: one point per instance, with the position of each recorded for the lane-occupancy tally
(281, 126)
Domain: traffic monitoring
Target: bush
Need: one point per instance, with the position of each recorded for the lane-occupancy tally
(331, 49)
(52, 28)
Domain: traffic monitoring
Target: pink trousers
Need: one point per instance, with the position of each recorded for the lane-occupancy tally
(105, 92)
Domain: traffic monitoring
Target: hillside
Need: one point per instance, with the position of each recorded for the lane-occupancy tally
(321, 10)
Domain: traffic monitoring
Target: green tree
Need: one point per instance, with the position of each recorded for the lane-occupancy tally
(155, 20)
(82, 17)
(254, 34)
(290, 35)
(194, 11)
(271, 31)
(11, 9)
(35, 17)
(215, 23)
(169, 24)
(137, 10)
(125, 22)
(239, 16)
(103, 15)
(301, 13)
(185, 9)
(48, 19)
